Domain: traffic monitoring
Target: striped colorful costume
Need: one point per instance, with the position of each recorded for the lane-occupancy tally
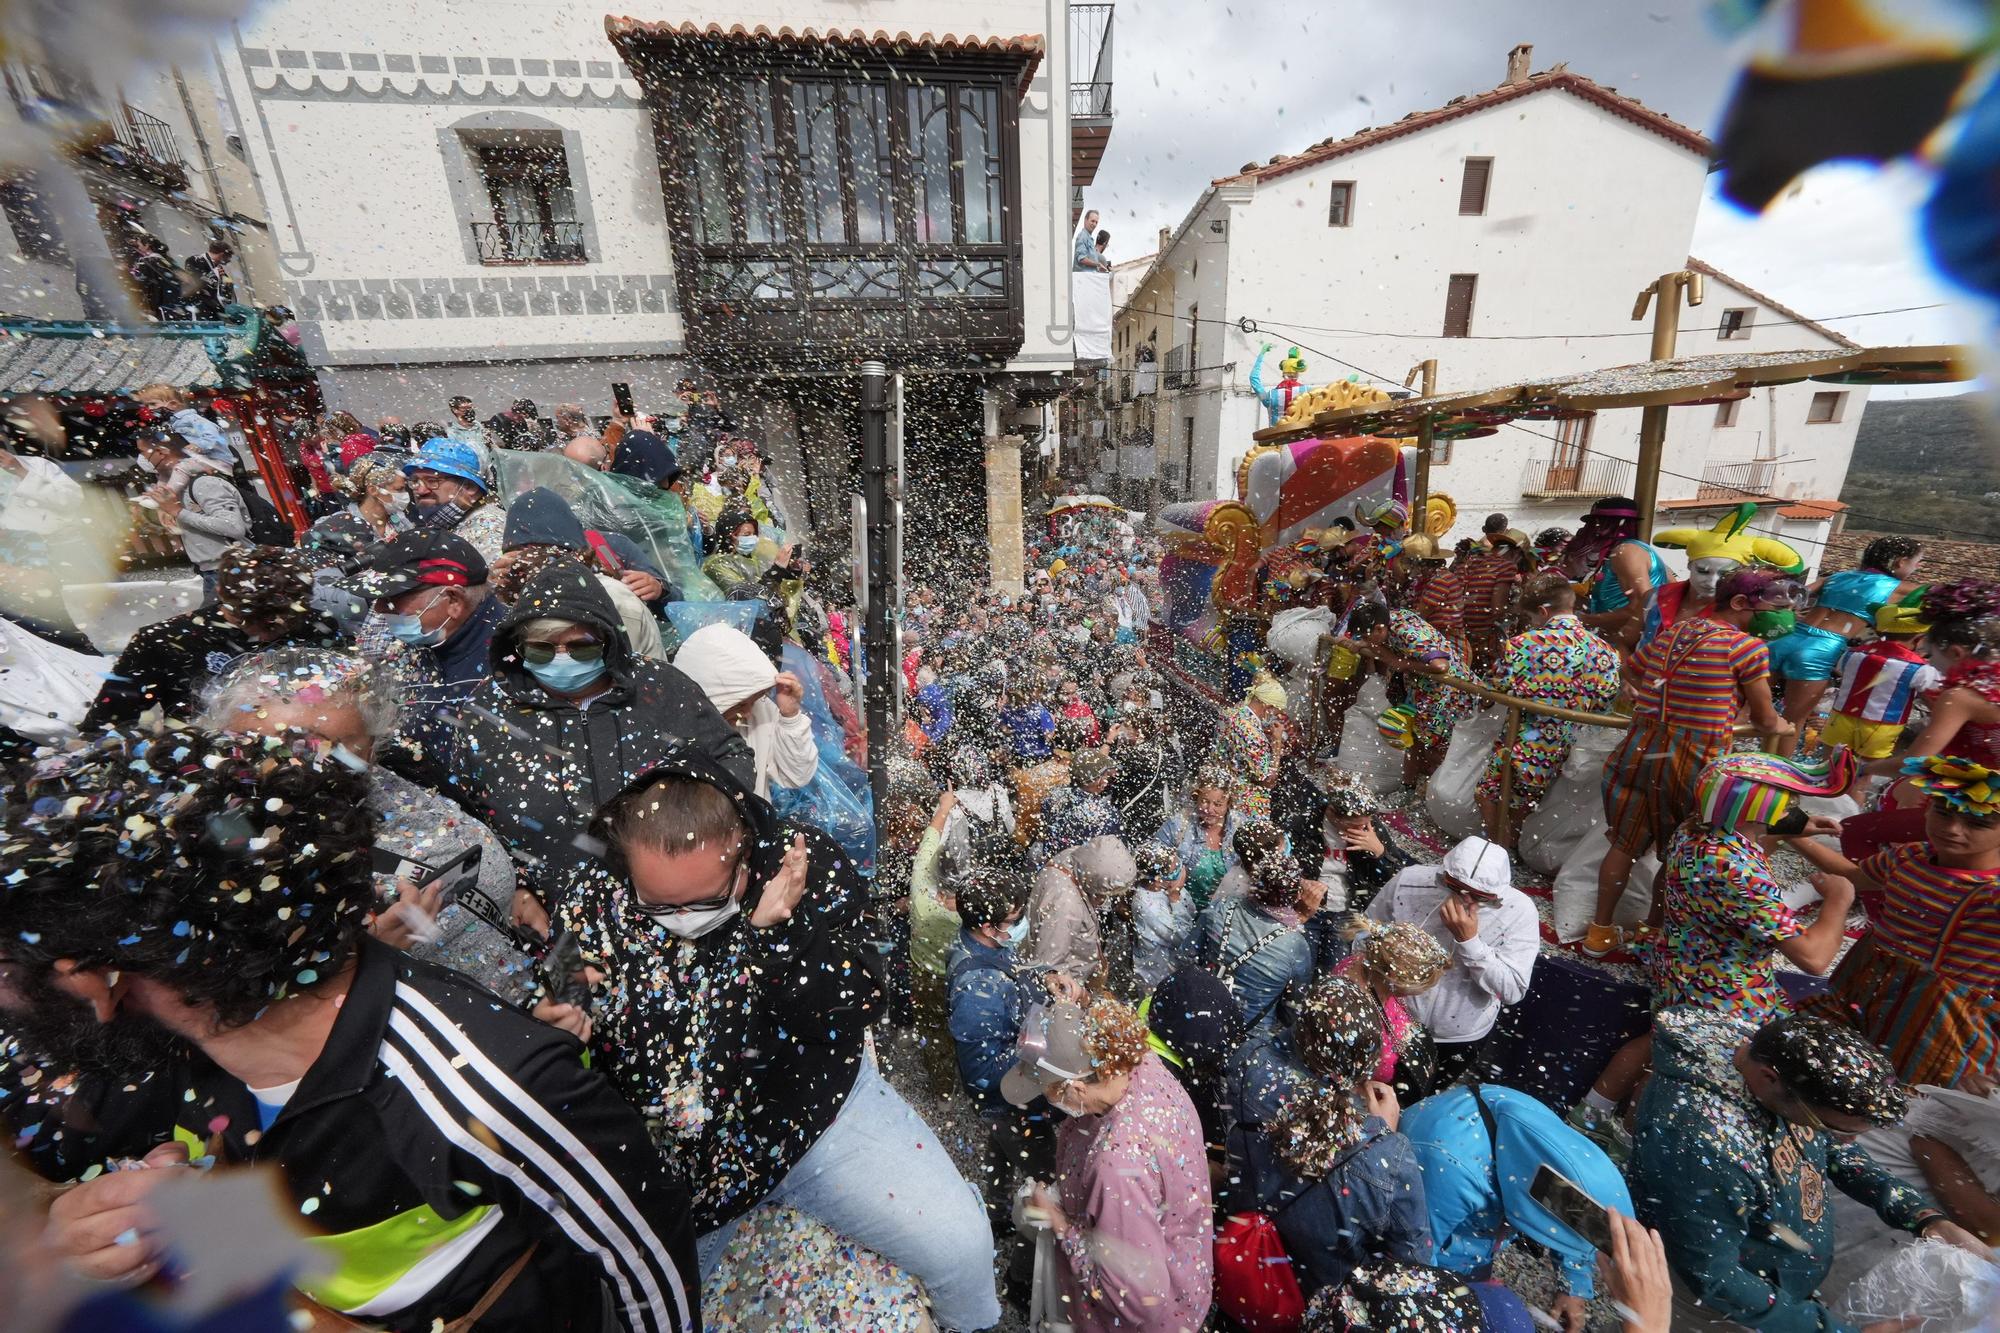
(1690, 683)
(1243, 750)
(1922, 984)
(1562, 664)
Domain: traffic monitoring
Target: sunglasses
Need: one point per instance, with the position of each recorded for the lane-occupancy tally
(539, 652)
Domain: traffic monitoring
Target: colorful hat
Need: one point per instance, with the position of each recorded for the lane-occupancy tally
(1729, 540)
(1395, 724)
(1388, 514)
(1757, 788)
(1420, 547)
(1965, 786)
(451, 458)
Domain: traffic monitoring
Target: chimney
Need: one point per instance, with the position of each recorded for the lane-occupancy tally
(1517, 63)
(1166, 239)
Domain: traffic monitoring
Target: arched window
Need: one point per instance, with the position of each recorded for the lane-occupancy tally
(518, 186)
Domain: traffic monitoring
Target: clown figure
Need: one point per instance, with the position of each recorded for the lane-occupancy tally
(1713, 555)
(1277, 398)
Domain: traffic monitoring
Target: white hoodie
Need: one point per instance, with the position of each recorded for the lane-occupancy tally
(729, 667)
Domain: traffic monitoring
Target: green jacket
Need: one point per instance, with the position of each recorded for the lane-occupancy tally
(1735, 1190)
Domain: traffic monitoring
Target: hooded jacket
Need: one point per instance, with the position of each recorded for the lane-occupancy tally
(741, 1046)
(540, 517)
(536, 766)
(730, 668)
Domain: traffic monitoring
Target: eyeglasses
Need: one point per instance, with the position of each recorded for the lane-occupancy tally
(540, 652)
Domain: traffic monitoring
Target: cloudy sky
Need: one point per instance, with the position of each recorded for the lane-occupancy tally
(1203, 87)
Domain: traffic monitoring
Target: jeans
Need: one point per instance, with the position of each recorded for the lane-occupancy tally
(879, 1176)
(208, 580)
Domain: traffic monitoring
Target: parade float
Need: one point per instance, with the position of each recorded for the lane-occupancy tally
(1225, 559)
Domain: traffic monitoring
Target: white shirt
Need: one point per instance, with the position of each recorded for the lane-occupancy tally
(1488, 970)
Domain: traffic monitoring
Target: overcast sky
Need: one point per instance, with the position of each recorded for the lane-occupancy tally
(1203, 87)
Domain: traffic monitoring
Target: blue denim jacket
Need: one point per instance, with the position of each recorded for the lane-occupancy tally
(1371, 1202)
(1264, 1071)
(986, 1010)
(1237, 944)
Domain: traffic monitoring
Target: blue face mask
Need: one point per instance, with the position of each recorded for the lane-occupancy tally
(409, 630)
(746, 546)
(1015, 935)
(564, 674)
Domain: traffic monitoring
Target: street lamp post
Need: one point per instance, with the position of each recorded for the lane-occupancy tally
(875, 493)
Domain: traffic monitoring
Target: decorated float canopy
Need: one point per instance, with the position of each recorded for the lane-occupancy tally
(1678, 382)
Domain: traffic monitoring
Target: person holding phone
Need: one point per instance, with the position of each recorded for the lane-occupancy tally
(1743, 1132)
(1481, 1147)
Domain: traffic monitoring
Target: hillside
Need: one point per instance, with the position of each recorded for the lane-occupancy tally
(1925, 465)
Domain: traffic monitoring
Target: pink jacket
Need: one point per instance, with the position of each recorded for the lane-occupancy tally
(1140, 1253)
(1395, 1024)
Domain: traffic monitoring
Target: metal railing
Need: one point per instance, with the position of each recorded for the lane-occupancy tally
(529, 242)
(148, 136)
(1090, 50)
(1738, 481)
(1090, 101)
(1580, 475)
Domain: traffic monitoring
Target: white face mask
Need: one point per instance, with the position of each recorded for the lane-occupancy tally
(398, 502)
(689, 925)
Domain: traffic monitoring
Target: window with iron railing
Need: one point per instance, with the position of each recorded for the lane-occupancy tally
(532, 195)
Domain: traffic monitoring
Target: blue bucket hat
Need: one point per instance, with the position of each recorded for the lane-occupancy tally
(448, 458)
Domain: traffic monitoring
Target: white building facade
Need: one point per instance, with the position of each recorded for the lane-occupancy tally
(465, 205)
(1505, 235)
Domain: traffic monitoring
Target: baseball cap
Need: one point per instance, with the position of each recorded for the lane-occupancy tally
(1050, 1047)
(418, 560)
(450, 458)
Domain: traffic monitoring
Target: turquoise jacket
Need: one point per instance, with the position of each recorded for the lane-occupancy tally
(1736, 1192)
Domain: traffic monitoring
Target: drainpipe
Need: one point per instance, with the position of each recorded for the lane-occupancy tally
(201, 145)
(1056, 12)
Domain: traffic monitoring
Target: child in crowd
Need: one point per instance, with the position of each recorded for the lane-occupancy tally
(1879, 685)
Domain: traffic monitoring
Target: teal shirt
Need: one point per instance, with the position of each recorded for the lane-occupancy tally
(1719, 1176)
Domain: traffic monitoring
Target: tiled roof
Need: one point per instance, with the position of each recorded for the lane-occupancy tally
(1839, 339)
(1811, 509)
(1026, 46)
(36, 363)
(1558, 79)
(1944, 561)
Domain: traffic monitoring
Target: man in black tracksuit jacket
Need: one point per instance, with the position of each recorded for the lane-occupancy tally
(535, 766)
(443, 1149)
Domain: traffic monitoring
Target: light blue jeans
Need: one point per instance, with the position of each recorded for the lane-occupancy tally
(879, 1176)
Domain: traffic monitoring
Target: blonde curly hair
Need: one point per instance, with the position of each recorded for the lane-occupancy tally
(1114, 1035)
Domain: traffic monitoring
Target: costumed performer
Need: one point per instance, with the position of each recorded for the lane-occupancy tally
(1713, 554)
(1250, 746)
(1843, 609)
(1607, 555)
(1277, 398)
(1403, 642)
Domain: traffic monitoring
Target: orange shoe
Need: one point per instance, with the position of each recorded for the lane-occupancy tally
(1602, 941)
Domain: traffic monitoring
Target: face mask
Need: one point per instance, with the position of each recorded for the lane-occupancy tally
(1771, 624)
(564, 674)
(397, 502)
(746, 546)
(1015, 934)
(146, 466)
(688, 924)
(445, 515)
(725, 460)
(409, 630)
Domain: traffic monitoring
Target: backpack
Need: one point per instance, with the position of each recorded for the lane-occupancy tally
(1254, 1282)
(267, 527)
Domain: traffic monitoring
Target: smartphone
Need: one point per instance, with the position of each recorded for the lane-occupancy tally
(621, 395)
(1571, 1206)
(460, 877)
(560, 971)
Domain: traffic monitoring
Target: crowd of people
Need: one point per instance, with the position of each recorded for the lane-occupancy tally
(507, 881)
